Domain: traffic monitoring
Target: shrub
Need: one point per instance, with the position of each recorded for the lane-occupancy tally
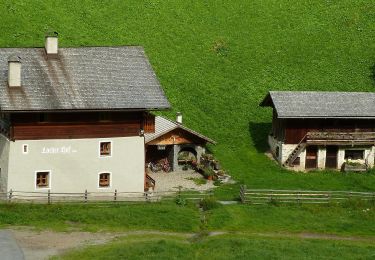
(209, 203)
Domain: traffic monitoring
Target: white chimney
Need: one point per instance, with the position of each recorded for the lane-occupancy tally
(14, 71)
(52, 44)
(179, 118)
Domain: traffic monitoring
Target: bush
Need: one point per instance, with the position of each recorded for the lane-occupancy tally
(180, 201)
(209, 203)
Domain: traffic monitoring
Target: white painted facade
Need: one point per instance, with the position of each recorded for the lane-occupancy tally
(74, 165)
(284, 150)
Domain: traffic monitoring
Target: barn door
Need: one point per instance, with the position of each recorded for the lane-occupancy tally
(311, 157)
(331, 157)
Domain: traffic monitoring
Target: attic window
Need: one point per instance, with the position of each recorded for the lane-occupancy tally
(105, 149)
(104, 180)
(42, 179)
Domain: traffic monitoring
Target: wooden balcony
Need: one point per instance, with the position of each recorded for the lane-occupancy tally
(340, 138)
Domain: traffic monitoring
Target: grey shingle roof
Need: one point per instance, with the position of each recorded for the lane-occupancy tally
(164, 125)
(87, 78)
(309, 104)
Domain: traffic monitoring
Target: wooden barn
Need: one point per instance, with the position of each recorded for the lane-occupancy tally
(318, 130)
(171, 139)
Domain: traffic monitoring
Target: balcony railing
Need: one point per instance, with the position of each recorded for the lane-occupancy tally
(340, 137)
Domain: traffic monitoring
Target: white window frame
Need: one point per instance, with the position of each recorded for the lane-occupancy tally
(106, 141)
(23, 148)
(110, 180)
(49, 180)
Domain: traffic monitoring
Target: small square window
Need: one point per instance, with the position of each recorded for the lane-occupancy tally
(297, 161)
(25, 148)
(42, 179)
(104, 180)
(105, 148)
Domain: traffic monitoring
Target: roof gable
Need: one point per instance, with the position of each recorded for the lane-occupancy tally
(164, 126)
(310, 104)
(88, 78)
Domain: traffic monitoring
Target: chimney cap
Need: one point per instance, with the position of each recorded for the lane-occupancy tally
(14, 58)
(52, 34)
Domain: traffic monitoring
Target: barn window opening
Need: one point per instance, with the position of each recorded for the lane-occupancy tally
(105, 148)
(25, 148)
(42, 179)
(277, 152)
(297, 161)
(104, 180)
(354, 154)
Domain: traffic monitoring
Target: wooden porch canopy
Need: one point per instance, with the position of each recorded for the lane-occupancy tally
(168, 132)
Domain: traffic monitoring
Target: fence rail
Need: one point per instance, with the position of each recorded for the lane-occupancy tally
(263, 196)
(98, 197)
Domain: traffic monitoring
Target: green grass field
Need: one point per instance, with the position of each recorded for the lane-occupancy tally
(217, 59)
(225, 247)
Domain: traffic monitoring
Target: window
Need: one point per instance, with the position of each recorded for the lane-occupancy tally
(297, 161)
(42, 179)
(354, 154)
(105, 148)
(25, 148)
(104, 180)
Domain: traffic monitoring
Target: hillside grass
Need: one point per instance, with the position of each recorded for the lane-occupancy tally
(216, 60)
(347, 219)
(101, 217)
(225, 247)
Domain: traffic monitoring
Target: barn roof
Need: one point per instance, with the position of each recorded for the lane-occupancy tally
(164, 125)
(87, 78)
(311, 104)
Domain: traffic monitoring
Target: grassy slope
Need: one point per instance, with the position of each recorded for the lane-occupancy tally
(348, 219)
(217, 59)
(105, 217)
(228, 247)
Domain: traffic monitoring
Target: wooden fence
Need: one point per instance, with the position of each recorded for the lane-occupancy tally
(263, 196)
(98, 197)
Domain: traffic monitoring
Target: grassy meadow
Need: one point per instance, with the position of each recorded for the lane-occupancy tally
(216, 60)
(224, 247)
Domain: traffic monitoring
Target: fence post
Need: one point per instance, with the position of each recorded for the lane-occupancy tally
(242, 193)
(10, 195)
(298, 199)
(85, 196)
(49, 197)
(115, 196)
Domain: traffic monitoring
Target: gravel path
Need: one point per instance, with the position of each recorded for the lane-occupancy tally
(171, 180)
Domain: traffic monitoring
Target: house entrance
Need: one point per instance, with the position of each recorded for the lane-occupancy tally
(311, 157)
(331, 157)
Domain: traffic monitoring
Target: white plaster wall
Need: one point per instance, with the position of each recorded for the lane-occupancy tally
(369, 154)
(273, 143)
(76, 164)
(322, 152)
(287, 149)
(371, 157)
(4, 158)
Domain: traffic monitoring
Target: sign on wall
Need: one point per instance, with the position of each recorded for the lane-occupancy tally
(58, 150)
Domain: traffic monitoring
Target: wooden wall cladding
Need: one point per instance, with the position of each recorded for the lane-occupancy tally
(296, 129)
(70, 131)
